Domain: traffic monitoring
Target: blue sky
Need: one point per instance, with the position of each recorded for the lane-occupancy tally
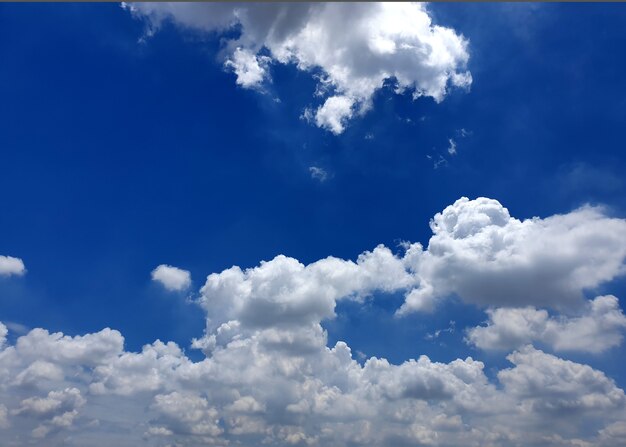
(128, 141)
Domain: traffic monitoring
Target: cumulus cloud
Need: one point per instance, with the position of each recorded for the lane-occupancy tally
(250, 69)
(172, 278)
(284, 292)
(56, 402)
(486, 257)
(597, 329)
(552, 385)
(270, 377)
(355, 47)
(11, 266)
(251, 391)
(55, 411)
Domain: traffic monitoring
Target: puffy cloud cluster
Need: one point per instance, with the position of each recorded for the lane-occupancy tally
(284, 293)
(269, 376)
(547, 384)
(11, 266)
(597, 329)
(172, 278)
(56, 410)
(253, 392)
(486, 257)
(353, 48)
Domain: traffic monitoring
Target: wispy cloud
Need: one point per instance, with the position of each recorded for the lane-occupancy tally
(318, 173)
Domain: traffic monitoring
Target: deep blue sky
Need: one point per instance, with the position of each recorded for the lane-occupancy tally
(117, 156)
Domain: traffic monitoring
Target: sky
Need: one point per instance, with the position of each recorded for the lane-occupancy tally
(312, 224)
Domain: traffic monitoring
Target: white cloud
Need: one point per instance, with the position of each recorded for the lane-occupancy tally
(38, 371)
(356, 46)
(318, 173)
(172, 278)
(55, 411)
(451, 146)
(11, 266)
(269, 376)
(557, 386)
(334, 113)
(251, 391)
(486, 257)
(284, 292)
(597, 329)
(90, 349)
(56, 402)
(187, 414)
(249, 68)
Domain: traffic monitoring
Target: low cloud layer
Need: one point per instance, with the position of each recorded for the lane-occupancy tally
(270, 377)
(352, 48)
(265, 387)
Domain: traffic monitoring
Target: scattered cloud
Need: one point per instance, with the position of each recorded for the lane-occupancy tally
(451, 146)
(380, 41)
(172, 278)
(318, 173)
(450, 330)
(11, 266)
(438, 161)
(251, 70)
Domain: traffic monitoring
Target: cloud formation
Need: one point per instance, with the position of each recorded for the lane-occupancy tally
(172, 278)
(486, 257)
(260, 388)
(599, 328)
(269, 375)
(352, 48)
(11, 266)
(318, 173)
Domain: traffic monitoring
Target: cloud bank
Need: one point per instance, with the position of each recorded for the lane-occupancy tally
(352, 49)
(269, 376)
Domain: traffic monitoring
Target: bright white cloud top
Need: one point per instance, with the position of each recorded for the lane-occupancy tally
(269, 376)
(11, 266)
(353, 47)
(172, 278)
(486, 257)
